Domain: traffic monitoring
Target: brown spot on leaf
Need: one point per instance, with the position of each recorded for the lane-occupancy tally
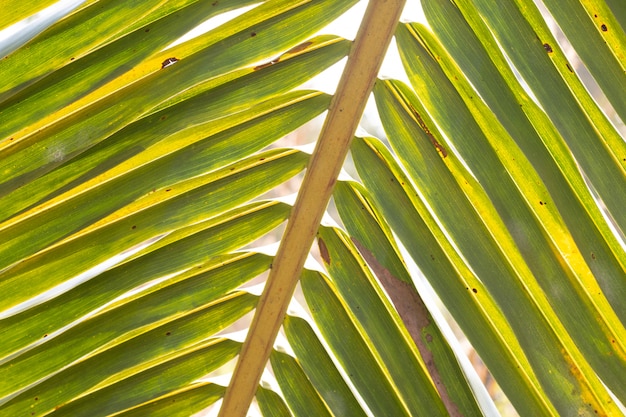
(569, 68)
(547, 47)
(416, 319)
(323, 250)
(474, 290)
(299, 48)
(593, 255)
(434, 141)
(603, 27)
(276, 60)
(267, 64)
(168, 62)
(147, 30)
(253, 34)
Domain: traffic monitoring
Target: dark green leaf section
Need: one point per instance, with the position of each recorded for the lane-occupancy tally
(183, 403)
(464, 296)
(208, 120)
(374, 240)
(167, 163)
(186, 248)
(50, 147)
(602, 252)
(192, 201)
(367, 228)
(618, 9)
(320, 369)
(500, 270)
(585, 35)
(595, 144)
(360, 291)
(85, 75)
(301, 396)
(271, 404)
(154, 382)
(71, 38)
(543, 246)
(352, 351)
(219, 97)
(167, 318)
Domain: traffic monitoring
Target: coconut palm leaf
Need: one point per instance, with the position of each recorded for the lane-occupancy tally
(141, 178)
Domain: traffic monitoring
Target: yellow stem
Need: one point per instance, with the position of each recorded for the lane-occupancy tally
(346, 108)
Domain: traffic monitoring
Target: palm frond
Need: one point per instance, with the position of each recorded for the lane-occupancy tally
(136, 175)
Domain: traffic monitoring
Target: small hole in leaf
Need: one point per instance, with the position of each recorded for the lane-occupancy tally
(168, 62)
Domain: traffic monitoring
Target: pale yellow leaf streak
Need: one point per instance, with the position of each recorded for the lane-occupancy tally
(346, 108)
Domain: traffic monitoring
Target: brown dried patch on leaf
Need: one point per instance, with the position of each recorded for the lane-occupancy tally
(323, 250)
(299, 48)
(267, 64)
(416, 319)
(294, 50)
(168, 62)
(426, 130)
